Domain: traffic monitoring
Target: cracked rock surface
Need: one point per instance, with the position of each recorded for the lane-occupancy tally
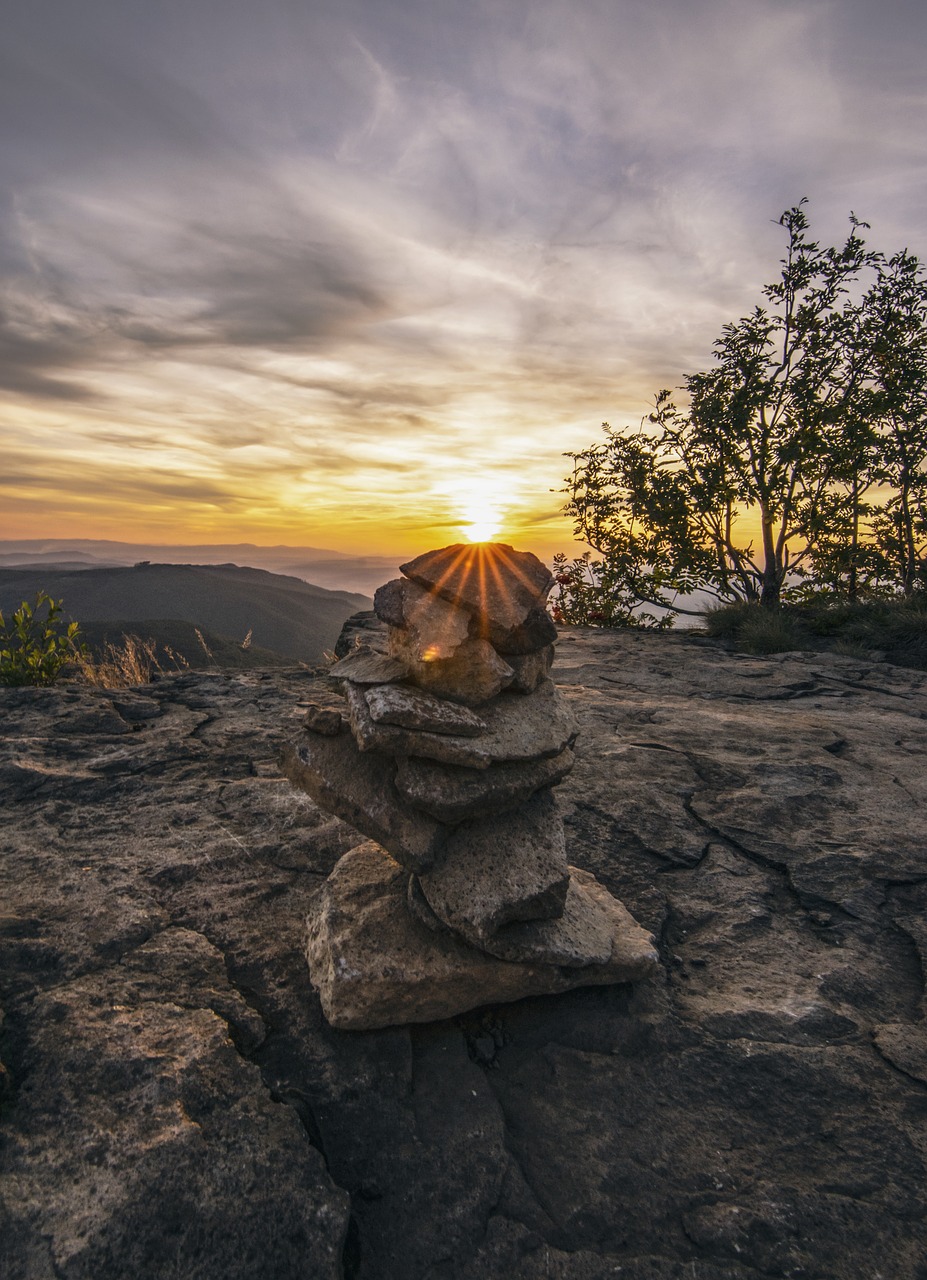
(174, 1103)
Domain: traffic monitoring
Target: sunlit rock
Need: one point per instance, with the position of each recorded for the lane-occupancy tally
(499, 585)
(470, 673)
(456, 740)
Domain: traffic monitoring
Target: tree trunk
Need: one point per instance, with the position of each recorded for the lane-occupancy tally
(909, 554)
(772, 573)
(853, 576)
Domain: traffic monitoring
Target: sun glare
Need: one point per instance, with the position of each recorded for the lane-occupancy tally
(481, 521)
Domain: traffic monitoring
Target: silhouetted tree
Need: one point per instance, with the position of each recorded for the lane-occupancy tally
(815, 403)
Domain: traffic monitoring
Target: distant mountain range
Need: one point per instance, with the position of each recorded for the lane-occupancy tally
(334, 570)
(164, 602)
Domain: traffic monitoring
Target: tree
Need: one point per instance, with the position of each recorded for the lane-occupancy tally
(782, 432)
(898, 309)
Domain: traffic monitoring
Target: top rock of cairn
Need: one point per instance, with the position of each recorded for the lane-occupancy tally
(492, 581)
(467, 621)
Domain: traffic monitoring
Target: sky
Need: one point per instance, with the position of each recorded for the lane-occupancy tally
(356, 274)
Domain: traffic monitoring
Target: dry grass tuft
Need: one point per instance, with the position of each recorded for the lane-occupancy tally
(133, 662)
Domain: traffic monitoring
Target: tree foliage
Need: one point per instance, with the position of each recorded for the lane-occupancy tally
(810, 426)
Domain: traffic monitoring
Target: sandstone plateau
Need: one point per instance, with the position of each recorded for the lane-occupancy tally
(175, 1104)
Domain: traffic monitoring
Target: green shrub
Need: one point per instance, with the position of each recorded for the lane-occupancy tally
(895, 628)
(35, 645)
(723, 621)
(768, 631)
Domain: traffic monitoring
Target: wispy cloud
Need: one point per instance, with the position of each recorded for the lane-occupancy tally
(282, 274)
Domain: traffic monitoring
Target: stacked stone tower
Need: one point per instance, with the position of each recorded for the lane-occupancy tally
(446, 757)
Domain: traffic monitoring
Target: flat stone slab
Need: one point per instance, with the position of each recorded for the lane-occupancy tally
(359, 790)
(375, 965)
(581, 935)
(520, 727)
(413, 709)
(453, 794)
(499, 870)
(490, 579)
(364, 666)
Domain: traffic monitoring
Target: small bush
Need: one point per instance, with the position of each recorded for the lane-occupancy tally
(723, 621)
(35, 645)
(768, 631)
(895, 628)
(591, 593)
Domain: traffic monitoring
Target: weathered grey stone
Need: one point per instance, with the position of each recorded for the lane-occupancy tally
(472, 673)
(359, 789)
(519, 727)
(365, 666)
(497, 870)
(581, 935)
(387, 602)
(490, 579)
(536, 632)
(530, 668)
(413, 709)
(147, 1144)
(375, 965)
(453, 794)
(185, 823)
(361, 628)
(324, 720)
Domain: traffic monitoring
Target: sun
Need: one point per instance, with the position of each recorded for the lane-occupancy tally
(482, 520)
(481, 531)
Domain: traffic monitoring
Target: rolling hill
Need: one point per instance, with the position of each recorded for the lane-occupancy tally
(333, 570)
(285, 615)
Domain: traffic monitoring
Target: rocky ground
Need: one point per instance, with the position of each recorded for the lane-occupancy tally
(175, 1105)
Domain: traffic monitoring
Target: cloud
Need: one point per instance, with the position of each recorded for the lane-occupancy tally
(316, 260)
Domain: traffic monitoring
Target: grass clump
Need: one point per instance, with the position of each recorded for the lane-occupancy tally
(723, 621)
(893, 629)
(130, 662)
(769, 631)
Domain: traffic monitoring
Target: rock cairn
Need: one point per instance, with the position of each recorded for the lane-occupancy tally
(446, 756)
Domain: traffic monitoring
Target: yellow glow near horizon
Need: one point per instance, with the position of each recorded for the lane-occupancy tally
(482, 528)
(480, 508)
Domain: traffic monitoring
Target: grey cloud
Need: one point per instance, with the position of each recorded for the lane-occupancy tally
(542, 205)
